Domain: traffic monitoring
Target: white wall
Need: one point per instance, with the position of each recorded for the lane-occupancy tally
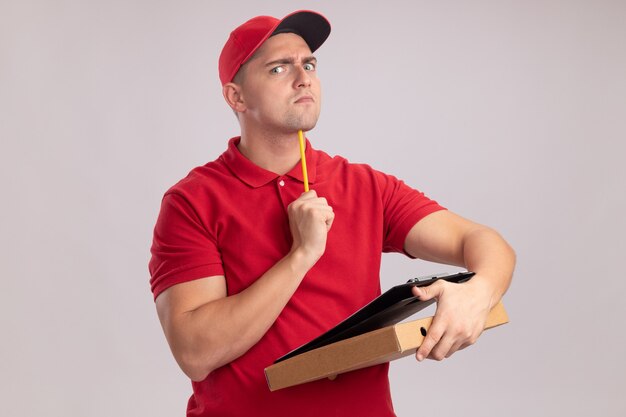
(512, 113)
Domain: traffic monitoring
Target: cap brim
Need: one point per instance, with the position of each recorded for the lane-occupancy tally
(311, 26)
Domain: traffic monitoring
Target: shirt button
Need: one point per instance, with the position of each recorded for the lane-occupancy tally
(281, 183)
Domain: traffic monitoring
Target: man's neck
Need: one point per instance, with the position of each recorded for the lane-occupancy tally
(278, 154)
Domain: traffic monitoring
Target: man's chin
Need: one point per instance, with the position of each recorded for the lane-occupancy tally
(305, 127)
(302, 123)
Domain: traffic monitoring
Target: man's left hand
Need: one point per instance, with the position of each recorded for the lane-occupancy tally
(460, 318)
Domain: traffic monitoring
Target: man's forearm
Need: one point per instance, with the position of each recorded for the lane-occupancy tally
(445, 237)
(490, 256)
(220, 331)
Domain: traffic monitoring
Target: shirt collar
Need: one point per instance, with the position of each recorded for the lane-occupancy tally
(255, 176)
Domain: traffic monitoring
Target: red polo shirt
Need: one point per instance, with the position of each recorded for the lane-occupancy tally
(229, 217)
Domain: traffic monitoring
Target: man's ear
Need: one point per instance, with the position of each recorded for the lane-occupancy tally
(233, 96)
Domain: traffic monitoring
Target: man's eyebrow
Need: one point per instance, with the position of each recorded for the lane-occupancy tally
(307, 60)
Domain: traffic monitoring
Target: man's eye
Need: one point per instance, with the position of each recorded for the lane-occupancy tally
(309, 66)
(277, 70)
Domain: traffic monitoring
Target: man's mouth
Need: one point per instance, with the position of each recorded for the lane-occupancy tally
(305, 99)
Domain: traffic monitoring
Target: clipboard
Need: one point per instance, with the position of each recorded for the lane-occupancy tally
(389, 308)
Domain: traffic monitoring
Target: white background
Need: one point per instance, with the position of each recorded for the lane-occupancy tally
(511, 113)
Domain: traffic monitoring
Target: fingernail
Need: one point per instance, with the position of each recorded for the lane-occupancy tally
(420, 357)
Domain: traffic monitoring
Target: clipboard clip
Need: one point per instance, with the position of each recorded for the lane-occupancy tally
(428, 277)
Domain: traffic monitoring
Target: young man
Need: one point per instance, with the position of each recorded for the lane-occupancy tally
(245, 267)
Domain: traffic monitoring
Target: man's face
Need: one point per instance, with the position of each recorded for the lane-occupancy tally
(279, 86)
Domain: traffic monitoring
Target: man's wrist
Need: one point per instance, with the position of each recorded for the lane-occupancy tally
(301, 261)
(484, 286)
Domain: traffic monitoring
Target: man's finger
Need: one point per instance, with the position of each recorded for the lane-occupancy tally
(329, 221)
(430, 341)
(429, 292)
(308, 195)
(458, 345)
(442, 348)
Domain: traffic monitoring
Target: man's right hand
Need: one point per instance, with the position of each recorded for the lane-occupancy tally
(310, 220)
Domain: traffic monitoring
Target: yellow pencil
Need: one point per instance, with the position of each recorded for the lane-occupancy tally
(303, 160)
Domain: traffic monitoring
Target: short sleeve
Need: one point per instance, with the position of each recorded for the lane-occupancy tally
(403, 207)
(182, 248)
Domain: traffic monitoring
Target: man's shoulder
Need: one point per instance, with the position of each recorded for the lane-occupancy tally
(338, 168)
(339, 162)
(204, 177)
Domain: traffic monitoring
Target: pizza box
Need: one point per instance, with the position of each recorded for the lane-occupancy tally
(371, 348)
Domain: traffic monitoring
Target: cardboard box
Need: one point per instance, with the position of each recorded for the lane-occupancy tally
(378, 346)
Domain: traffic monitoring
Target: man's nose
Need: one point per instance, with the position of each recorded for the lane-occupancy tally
(303, 78)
